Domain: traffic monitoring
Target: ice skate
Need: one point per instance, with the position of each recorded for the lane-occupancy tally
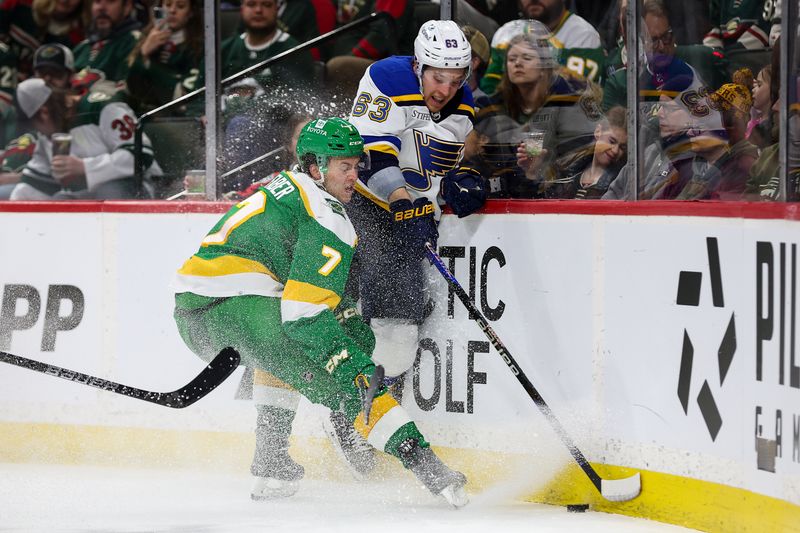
(276, 475)
(434, 474)
(350, 445)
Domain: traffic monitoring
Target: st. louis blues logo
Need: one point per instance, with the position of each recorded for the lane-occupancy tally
(435, 156)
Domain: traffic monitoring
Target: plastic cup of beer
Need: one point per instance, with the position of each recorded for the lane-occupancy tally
(534, 143)
(62, 143)
(195, 182)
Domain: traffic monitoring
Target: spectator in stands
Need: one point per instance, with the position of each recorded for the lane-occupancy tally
(8, 86)
(570, 29)
(586, 174)
(579, 50)
(166, 54)
(306, 19)
(480, 59)
(742, 25)
(351, 53)
(664, 60)
(12, 160)
(730, 161)
(762, 105)
(55, 65)
(112, 35)
(533, 95)
(691, 138)
(27, 24)
(97, 163)
(261, 40)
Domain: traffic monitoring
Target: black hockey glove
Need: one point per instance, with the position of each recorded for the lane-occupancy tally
(464, 190)
(414, 225)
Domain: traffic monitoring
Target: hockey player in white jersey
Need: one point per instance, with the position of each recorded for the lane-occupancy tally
(415, 114)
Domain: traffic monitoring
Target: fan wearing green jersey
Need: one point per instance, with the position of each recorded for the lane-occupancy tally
(269, 280)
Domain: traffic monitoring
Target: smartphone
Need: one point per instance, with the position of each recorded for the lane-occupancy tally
(159, 14)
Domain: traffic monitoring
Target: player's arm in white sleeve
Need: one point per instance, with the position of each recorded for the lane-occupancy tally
(117, 125)
(381, 122)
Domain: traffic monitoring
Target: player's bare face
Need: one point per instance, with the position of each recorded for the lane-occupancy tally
(260, 15)
(178, 13)
(523, 65)
(340, 180)
(440, 85)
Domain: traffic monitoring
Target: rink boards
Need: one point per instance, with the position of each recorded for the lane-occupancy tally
(663, 336)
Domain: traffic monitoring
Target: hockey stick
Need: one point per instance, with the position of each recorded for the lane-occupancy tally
(212, 375)
(616, 490)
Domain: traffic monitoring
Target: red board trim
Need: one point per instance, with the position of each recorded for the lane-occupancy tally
(747, 210)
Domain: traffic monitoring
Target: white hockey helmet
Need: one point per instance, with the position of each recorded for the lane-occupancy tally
(442, 44)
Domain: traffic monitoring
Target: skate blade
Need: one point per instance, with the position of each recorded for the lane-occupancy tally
(270, 488)
(455, 495)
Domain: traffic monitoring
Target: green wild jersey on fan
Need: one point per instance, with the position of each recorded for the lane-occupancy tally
(589, 63)
(290, 240)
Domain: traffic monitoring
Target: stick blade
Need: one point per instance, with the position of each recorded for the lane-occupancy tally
(621, 490)
(209, 379)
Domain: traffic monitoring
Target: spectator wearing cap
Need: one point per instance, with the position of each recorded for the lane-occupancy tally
(96, 163)
(54, 64)
(729, 161)
(480, 59)
(112, 35)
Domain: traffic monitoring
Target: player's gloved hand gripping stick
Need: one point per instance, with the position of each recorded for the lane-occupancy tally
(209, 379)
(617, 490)
(413, 225)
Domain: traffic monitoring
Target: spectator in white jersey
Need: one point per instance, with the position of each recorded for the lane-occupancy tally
(570, 29)
(95, 161)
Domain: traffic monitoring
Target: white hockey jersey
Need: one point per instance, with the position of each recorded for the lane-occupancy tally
(391, 116)
(102, 135)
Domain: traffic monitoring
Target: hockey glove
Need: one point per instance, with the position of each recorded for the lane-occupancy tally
(464, 190)
(414, 225)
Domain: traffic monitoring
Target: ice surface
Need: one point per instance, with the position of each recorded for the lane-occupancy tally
(39, 498)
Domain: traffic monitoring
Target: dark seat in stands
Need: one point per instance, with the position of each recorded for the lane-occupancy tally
(179, 145)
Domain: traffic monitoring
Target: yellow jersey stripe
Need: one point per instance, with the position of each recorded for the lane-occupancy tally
(383, 147)
(407, 98)
(468, 108)
(300, 291)
(222, 266)
(303, 195)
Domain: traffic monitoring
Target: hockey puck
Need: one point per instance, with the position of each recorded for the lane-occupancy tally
(578, 508)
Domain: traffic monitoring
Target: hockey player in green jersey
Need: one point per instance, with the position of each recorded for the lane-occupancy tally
(269, 279)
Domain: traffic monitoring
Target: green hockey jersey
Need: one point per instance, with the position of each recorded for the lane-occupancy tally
(105, 59)
(289, 240)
